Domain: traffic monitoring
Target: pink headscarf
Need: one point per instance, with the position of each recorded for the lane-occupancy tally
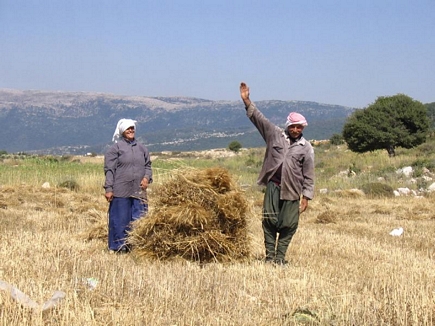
(295, 118)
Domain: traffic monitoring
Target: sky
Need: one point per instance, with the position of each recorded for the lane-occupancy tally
(344, 52)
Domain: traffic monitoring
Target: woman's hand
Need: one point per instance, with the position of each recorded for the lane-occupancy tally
(144, 183)
(109, 196)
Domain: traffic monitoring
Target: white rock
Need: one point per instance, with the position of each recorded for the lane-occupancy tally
(404, 191)
(343, 173)
(46, 185)
(407, 170)
(397, 232)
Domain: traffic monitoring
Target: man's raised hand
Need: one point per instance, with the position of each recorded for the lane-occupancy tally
(244, 93)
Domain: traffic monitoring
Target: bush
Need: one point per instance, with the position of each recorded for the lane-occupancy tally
(336, 139)
(426, 148)
(424, 163)
(235, 146)
(377, 189)
(70, 184)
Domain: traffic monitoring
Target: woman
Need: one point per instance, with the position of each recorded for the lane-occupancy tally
(127, 168)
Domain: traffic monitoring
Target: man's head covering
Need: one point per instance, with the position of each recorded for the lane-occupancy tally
(122, 126)
(295, 118)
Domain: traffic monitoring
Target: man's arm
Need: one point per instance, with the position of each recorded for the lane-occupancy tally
(263, 125)
(303, 204)
(308, 172)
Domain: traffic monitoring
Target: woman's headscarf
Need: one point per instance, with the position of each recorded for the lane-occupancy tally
(122, 126)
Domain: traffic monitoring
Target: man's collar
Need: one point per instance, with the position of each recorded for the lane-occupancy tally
(300, 140)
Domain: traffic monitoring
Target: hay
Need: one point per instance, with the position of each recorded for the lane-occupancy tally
(326, 217)
(199, 215)
(99, 227)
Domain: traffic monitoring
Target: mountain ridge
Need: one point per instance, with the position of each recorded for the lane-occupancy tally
(61, 122)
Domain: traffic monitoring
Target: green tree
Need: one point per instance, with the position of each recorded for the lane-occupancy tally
(235, 146)
(390, 122)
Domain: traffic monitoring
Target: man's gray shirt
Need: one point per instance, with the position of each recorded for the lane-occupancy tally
(297, 159)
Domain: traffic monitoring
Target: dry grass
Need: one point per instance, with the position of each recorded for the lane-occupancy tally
(345, 268)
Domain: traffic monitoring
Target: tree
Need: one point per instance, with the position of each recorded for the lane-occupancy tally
(235, 146)
(390, 122)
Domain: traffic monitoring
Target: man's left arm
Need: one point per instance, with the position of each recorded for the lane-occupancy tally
(303, 204)
(308, 186)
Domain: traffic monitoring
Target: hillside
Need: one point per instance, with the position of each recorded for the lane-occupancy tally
(78, 122)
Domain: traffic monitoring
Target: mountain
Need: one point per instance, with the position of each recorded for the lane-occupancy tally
(77, 122)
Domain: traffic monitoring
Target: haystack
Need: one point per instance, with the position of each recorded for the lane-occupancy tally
(199, 215)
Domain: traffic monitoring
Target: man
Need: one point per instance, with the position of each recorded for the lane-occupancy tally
(287, 173)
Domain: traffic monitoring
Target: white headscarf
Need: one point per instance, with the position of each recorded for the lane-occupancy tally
(122, 126)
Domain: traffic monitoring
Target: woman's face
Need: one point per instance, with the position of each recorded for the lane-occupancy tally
(128, 133)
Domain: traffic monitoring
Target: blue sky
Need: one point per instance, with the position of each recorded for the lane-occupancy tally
(345, 52)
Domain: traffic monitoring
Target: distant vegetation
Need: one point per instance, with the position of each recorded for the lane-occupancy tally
(235, 146)
(431, 114)
(336, 139)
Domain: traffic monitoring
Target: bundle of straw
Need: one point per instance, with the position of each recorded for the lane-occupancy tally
(199, 215)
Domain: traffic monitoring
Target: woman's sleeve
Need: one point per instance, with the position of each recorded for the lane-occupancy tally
(110, 163)
(148, 170)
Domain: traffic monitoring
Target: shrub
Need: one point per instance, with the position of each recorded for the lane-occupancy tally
(427, 147)
(423, 163)
(336, 139)
(70, 184)
(250, 162)
(235, 146)
(377, 189)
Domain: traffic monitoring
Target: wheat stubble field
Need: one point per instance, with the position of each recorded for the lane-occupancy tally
(345, 268)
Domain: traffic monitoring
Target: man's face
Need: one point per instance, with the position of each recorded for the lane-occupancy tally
(295, 130)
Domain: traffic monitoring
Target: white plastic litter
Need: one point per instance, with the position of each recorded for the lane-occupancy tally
(397, 232)
(91, 282)
(24, 299)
